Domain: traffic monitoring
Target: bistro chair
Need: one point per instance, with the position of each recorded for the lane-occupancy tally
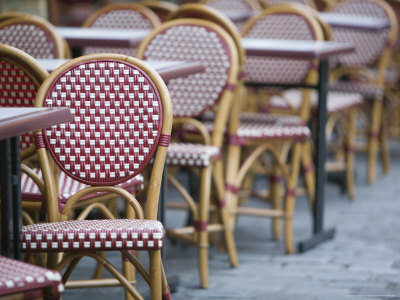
(33, 35)
(122, 118)
(20, 280)
(161, 8)
(239, 11)
(191, 97)
(251, 139)
(124, 16)
(364, 71)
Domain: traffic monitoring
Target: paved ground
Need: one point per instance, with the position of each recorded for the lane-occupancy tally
(362, 262)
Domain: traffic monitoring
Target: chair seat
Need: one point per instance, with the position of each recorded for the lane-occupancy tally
(270, 118)
(20, 277)
(68, 187)
(368, 90)
(336, 101)
(261, 130)
(93, 235)
(188, 155)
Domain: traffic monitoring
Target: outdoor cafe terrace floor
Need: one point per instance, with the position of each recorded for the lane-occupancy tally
(361, 262)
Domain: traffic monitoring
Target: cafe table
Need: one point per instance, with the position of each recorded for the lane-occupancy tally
(302, 49)
(358, 22)
(15, 121)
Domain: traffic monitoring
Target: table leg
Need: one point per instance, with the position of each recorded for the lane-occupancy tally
(319, 234)
(11, 220)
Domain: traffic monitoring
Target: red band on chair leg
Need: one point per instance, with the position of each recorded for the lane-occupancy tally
(275, 179)
(39, 141)
(167, 296)
(200, 225)
(372, 134)
(232, 189)
(349, 149)
(291, 192)
(308, 168)
(221, 203)
(241, 75)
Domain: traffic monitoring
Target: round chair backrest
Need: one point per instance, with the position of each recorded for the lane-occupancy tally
(33, 35)
(20, 78)
(239, 11)
(194, 40)
(120, 108)
(370, 45)
(121, 16)
(281, 22)
(204, 12)
(161, 8)
(395, 5)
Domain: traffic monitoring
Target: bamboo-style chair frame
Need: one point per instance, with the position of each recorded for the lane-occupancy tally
(161, 8)
(155, 277)
(376, 134)
(238, 165)
(198, 233)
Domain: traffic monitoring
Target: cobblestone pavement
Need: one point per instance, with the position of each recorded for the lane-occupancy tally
(361, 262)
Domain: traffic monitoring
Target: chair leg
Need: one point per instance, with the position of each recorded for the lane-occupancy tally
(201, 224)
(275, 191)
(291, 195)
(308, 171)
(228, 236)
(155, 274)
(376, 115)
(128, 269)
(384, 144)
(351, 135)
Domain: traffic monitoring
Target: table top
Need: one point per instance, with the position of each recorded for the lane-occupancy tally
(298, 49)
(167, 69)
(102, 37)
(15, 121)
(354, 21)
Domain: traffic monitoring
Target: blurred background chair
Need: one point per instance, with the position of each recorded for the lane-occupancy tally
(191, 97)
(161, 8)
(124, 16)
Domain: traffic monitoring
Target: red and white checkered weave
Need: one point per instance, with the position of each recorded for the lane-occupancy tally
(260, 130)
(93, 235)
(270, 118)
(368, 90)
(369, 44)
(336, 101)
(117, 117)
(19, 277)
(17, 89)
(119, 18)
(30, 38)
(193, 95)
(191, 155)
(279, 70)
(68, 187)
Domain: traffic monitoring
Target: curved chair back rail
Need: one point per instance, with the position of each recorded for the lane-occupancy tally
(121, 15)
(33, 35)
(20, 78)
(281, 22)
(204, 12)
(161, 8)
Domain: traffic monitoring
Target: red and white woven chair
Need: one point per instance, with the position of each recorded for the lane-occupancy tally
(191, 97)
(124, 16)
(20, 280)
(239, 11)
(122, 120)
(33, 35)
(365, 69)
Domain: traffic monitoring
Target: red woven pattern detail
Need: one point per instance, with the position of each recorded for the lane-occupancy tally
(275, 2)
(185, 154)
(369, 44)
(39, 141)
(119, 18)
(192, 95)
(92, 235)
(279, 70)
(164, 140)
(200, 225)
(336, 101)
(117, 118)
(230, 5)
(68, 187)
(29, 38)
(368, 90)
(17, 89)
(17, 276)
(259, 130)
